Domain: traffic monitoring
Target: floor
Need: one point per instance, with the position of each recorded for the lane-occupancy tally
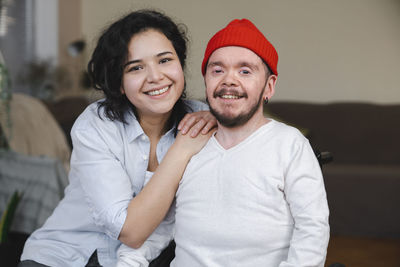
(350, 251)
(363, 252)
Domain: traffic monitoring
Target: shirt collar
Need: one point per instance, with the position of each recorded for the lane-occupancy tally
(134, 129)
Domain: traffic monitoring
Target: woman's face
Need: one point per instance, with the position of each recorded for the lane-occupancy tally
(153, 78)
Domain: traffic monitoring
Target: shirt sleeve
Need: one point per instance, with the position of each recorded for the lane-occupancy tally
(152, 247)
(306, 196)
(97, 169)
(196, 105)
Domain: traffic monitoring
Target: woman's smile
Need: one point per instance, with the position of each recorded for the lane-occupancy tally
(157, 92)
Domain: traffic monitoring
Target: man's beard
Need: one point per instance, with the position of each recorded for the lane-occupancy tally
(239, 120)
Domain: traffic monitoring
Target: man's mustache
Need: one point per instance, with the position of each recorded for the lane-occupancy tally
(225, 91)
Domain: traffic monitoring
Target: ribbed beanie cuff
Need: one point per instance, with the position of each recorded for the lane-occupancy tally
(243, 33)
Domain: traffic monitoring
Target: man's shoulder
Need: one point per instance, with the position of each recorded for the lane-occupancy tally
(286, 131)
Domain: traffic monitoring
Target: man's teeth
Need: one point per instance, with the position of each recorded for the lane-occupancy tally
(158, 92)
(230, 96)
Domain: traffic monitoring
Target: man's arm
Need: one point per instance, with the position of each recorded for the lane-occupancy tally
(305, 193)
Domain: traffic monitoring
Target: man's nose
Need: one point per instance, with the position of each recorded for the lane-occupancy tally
(154, 73)
(230, 78)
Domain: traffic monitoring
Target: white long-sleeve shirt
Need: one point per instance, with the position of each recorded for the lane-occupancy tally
(108, 168)
(259, 203)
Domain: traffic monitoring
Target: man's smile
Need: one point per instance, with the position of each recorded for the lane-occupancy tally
(229, 94)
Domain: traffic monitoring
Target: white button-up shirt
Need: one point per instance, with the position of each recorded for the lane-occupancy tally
(108, 168)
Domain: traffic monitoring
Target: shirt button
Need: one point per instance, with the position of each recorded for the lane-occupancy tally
(144, 138)
(145, 157)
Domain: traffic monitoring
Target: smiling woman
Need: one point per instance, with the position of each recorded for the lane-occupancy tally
(153, 78)
(128, 156)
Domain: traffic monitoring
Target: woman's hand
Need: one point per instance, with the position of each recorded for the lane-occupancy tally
(196, 122)
(191, 145)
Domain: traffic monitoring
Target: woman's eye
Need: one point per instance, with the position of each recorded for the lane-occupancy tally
(135, 68)
(245, 72)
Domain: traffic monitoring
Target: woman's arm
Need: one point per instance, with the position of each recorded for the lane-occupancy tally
(149, 207)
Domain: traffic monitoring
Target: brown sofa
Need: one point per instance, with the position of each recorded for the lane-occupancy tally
(363, 181)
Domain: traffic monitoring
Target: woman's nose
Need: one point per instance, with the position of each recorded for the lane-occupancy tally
(154, 73)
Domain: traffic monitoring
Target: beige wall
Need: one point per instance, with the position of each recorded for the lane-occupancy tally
(70, 30)
(342, 50)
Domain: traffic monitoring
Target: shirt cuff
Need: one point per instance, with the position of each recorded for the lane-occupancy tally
(114, 227)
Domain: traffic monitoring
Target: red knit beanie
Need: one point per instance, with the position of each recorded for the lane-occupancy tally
(243, 33)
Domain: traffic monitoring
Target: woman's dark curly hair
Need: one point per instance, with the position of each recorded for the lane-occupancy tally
(106, 66)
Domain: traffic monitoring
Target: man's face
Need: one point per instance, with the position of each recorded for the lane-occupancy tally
(236, 84)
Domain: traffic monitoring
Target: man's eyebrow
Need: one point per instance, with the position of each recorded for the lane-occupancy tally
(239, 64)
(139, 60)
(215, 63)
(247, 64)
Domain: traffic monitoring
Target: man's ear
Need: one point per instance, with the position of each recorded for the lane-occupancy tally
(270, 86)
(122, 90)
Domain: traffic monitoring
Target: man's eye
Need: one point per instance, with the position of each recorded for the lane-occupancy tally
(245, 72)
(165, 60)
(217, 71)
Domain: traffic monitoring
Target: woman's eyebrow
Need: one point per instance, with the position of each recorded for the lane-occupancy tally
(132, 62)
(164, 53)
(139, 60)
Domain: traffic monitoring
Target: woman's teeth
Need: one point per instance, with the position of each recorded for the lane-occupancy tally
(158, 92)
